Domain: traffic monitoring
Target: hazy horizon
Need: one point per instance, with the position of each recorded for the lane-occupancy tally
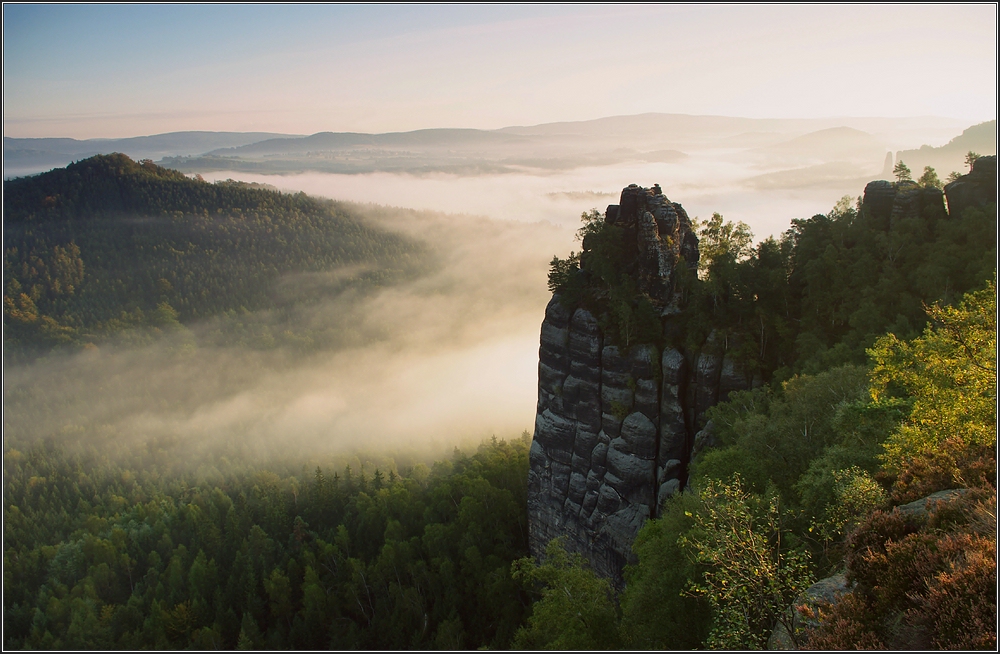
(205, 67)
(272, 134)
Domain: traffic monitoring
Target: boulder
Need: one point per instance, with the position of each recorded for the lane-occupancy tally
(632, 470)
(824, 591)
(639, 436)
(667, 489)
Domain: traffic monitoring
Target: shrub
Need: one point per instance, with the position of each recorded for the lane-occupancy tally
(921, 582)
(657, 613)
(576, 609)
(750, 578)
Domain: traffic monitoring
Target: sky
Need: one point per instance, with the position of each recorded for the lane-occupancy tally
(92, 71)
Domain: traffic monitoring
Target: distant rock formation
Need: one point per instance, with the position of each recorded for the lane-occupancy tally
(980, 138)
(614, 428)
(887, 166)
(977, 189)
(886, 203)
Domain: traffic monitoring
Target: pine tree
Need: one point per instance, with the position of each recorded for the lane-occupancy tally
(929, 179)
(902, 172)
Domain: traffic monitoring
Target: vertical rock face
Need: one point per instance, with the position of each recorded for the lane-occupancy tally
(614, 428)
(888, 203)
(977, 189)
(887, 166)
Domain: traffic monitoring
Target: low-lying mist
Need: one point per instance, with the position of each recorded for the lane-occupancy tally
(739, 185)
(446, 359)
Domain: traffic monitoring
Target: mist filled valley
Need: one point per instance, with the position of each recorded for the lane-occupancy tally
(448, 327)
(431, 341)
(335, 363)
(273, 405)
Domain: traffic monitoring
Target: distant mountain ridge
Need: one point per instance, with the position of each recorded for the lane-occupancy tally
(327, 140)
(177, 142)
(981, 139)
(661, 138)
(31, 155)
(553, 146)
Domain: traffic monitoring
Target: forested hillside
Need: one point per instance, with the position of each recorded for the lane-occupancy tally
(875, 332)
(875, 340)
(832, 284)
(803, 486)
(108, 245)
(123, 553)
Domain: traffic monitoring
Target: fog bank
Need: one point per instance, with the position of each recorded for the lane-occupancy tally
(727, 182)
(448, 358)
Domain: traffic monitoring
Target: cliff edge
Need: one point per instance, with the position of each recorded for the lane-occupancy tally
(617, 417)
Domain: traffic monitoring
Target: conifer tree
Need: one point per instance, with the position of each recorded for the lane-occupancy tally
(902, 172)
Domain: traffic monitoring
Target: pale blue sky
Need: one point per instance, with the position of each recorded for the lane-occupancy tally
(111, 70)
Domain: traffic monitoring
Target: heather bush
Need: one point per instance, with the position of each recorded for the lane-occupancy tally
(953, 464)
(920, 582)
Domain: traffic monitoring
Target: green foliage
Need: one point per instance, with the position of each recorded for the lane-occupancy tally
(657, 610)
(742, 296)
(104, 555)
(593, 223)
(720, 239)
(768, 439)
(751, 575)
(926, 582)
(853, 278)
(929, 179)
(816, 443)
(96, 249)
(576, 609)
(902, 172)
(861, 427)
(562, 272)
(950, 373)
(855, 495)
(970, 159)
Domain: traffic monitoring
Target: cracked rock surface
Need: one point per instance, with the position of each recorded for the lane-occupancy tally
(614, 428)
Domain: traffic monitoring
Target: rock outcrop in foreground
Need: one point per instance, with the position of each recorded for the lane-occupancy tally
(614, 429)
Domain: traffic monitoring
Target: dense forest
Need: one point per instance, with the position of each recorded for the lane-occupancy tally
(110, 554)
(877, 342)
(815, 298)
(108, 248)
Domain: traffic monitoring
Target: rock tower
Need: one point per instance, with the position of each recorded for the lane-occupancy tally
(615, 427)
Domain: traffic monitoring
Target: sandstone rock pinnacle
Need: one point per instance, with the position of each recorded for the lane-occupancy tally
(615, 425)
